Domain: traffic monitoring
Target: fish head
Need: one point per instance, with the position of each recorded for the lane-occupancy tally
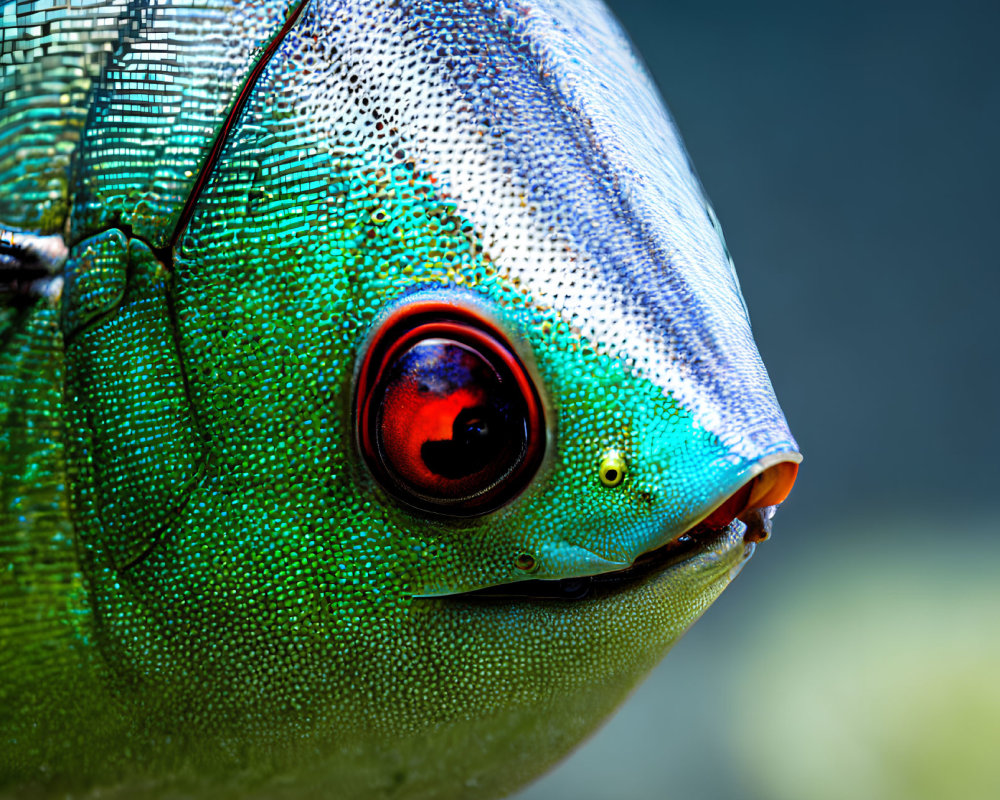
(454, 419)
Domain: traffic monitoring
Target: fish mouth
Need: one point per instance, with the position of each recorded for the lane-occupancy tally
(748, 530)
(742, 519)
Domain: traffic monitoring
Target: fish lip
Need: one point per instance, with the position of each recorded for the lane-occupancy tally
(695, 542)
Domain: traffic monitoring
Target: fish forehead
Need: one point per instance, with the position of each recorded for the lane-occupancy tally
(536, 119)
(543, 126)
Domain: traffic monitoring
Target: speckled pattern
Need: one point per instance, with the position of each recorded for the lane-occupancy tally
(256, 190)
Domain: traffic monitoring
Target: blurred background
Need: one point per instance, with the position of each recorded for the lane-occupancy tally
(851, 152)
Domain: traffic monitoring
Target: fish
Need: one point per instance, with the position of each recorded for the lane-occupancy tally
(379, 402)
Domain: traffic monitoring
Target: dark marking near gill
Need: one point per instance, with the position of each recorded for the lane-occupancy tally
(20, 270)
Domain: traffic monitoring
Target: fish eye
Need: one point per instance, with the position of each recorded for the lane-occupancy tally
(448, 419)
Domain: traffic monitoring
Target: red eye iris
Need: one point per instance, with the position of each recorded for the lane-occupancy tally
(448, 418)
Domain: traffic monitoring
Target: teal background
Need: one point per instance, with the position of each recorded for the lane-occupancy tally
(850, 150)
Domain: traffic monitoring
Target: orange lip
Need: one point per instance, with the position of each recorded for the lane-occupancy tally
(769, 488)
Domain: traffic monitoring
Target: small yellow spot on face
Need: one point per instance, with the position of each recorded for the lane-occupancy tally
(612, 469)
(526, 562)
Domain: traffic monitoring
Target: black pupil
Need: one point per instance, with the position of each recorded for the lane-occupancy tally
(474, 443)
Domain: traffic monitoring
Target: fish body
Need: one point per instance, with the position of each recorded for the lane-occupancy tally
(379, 402)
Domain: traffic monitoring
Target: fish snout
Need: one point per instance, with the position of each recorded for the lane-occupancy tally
(754, 502)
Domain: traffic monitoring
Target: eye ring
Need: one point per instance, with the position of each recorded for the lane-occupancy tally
(612, 470)
(447, 417)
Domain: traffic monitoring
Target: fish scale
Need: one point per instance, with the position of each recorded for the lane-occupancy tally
(230, 565)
